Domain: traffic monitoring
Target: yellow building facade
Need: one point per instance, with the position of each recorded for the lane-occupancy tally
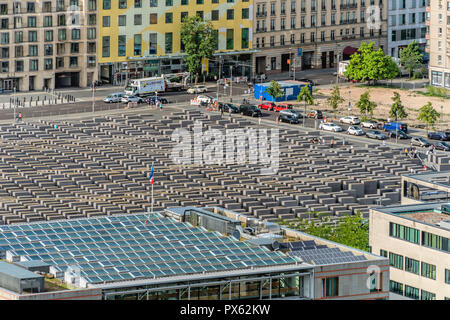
(139, 38)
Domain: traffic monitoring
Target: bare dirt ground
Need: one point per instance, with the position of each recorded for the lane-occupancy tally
(412, 101)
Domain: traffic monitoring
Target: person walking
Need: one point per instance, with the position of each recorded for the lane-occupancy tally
(229, 110)
(221, 110)
(331, 143)
(20, 116)
(160, 105)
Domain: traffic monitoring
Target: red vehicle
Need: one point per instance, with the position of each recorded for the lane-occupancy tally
(283, 106)
(267, 105)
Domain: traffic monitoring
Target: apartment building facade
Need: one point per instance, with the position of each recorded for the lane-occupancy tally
(406, 23)
(47, 44)
(438, 43)
(415, 238)
(141, 38)
(310, 34)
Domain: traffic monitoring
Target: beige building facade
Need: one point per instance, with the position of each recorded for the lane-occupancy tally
(47, 44)
(438, 42)
(314, 34)
(415, 238)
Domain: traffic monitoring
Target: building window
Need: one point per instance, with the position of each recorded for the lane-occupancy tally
(122, 42)
(106, 21)
(34, 65)
(169, 17)
(32, 51)
(122, 20)
(92, 33)
(427, 295)
(428, 271)
(447, 276)
(411, 292)
(19, 65)
(396, 260)
(168, 42)
(428, 239)
(404, 233)
(32, 36)
(153, 43)
(48, 64)
(436, 80)
(230, 14)
(230, 39)
(383, 253)
(396, 287)
(122, 4)
(73, 62)
(105, 46)
(76, 34)
(412, 265)
(245, 13)
(106, 4)
(330, 287)
(48, 35)
(137, 44)
(153, 18)
(62, 34)
(245, 37)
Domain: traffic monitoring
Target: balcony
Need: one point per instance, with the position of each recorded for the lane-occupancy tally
(261, 14)
(348, 6)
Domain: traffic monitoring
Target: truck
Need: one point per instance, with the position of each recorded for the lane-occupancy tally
(146, 86)
(392, 126)
(164, 83)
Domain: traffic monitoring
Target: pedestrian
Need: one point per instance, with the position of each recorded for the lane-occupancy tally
(278, 119)
(221, 110)
(384, 143)
(331, 143)
(259, 121)
(229, 110)
(412, 170)
(20, 116)
(160, 105)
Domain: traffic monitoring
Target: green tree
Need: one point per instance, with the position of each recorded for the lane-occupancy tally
(365, 105)
(305, 96)
(368, 64)
(411, 58)
(428, 115)
(199, 42)
(275, 90)
(397, 109)
(352, 231)
(335, 99)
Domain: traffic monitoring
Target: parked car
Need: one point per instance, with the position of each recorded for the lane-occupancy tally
(296, 113)
(375, 134)
(392, 126)
(316, 114)
(226, 107)
(444, 136)
(197, 89)
(114, 97)
(371, 124)
(441, 145)
(419, 141)
(126, 99)
(355, 130)
(250, 110)
(350, 120)
(400, 134)
(330, 126)
(283, 106)
(152, 100)
(288, 118)
(267, 106)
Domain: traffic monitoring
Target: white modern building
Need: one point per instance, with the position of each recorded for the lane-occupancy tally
(406, 23)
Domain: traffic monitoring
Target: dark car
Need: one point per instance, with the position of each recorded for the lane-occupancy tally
(419, 141)
(441, 145)
(227, 106)
(250, 110)
(308, 80)
(152, 100)
(288, 118)
(374, 134)
(400, 134)
(444, 136)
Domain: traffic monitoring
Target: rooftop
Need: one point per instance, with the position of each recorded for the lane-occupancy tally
(441, 178)
(430, 217)
(132, 247)
(17, 272)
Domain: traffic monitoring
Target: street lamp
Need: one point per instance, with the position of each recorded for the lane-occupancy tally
(396, 126)
(14, 101)
(349, 103)
(93, 96)
(231, 84)
(442, 116)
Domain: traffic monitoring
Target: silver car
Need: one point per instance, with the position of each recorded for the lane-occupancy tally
(290, 112)
(114, 97)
